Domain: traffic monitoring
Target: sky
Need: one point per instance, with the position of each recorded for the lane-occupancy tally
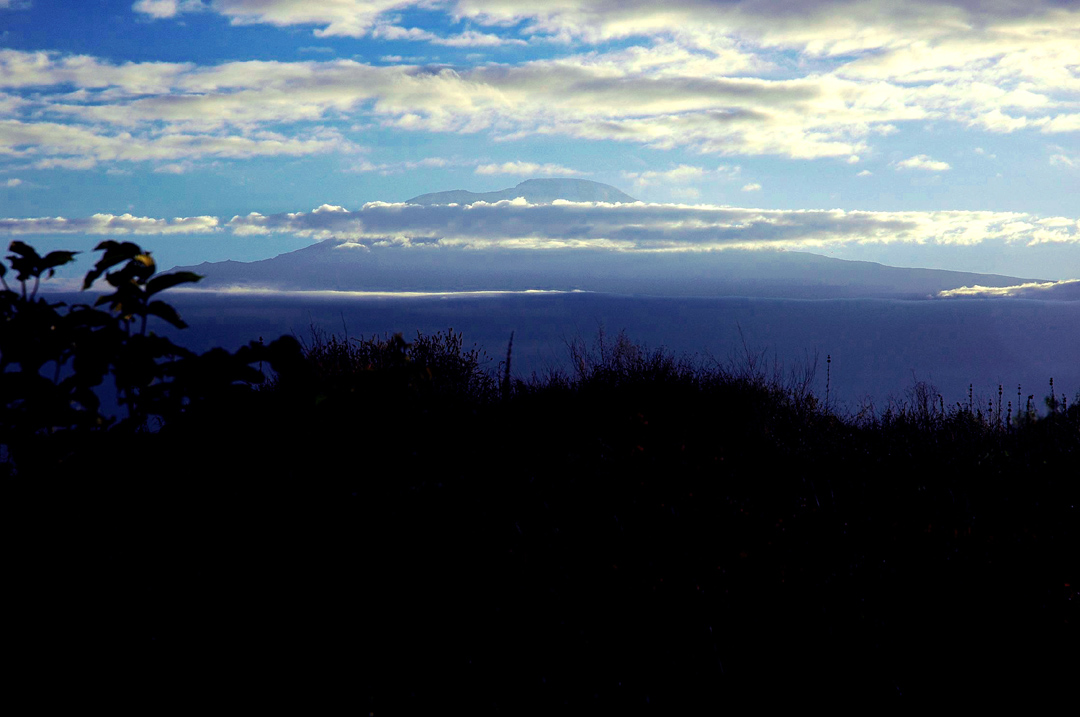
(925, 134)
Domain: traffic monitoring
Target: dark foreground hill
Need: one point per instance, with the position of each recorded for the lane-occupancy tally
(387, 525)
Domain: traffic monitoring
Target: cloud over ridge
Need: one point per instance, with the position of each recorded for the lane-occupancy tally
(564, 224)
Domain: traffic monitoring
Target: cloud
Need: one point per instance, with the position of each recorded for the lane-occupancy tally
(527, 168)
(820, 27)
(48, 145)
(564, 224)
(752, 187)
(809, 80)
(865, 173)
(469, 38)
(110, 224)
(923, 162)
(657, 227)
(387, 168)
(1067, 289)
(679, 174)
(175, 168)
(12, 182)
(336, 18)
(160, 9)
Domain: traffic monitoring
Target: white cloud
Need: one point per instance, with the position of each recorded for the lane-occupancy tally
(469, 38)
(12, 182)
(341, 18)
(642, 226)
(923, 162)
(564, 224)
(527, 168)
(160, 9)
(821, 78)
(397, 167)
(1062, 159)
(1031, 289)
(865, 173)
(50, 145)
(752, 187)
(110, 224)
(1062, 123)
(175, 168)
(681, 173)
(819, 27)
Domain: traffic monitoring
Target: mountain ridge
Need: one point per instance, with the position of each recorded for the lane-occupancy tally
(337, 265)
(534, 191)
(764, 274)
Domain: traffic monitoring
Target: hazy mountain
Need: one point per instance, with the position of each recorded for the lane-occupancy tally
(338, 265)
(535, 191)
(332, 265)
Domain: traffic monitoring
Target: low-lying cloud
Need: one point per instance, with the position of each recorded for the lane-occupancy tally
(110, 224)
(562, 224)
(1067, 289)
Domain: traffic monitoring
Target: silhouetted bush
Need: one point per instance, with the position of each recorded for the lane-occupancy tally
(53, 357)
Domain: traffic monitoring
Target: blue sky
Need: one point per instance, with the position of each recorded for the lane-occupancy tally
(932, 134)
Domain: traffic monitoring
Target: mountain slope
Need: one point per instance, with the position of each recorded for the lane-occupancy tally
(336, 264)
(535, 191)
(333, 265)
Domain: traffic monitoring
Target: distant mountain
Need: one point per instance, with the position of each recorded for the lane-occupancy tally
(332, 265)
(535, 191)
(337, 265)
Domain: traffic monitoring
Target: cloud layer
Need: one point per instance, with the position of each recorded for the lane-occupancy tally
(563, 224)
(808, 80)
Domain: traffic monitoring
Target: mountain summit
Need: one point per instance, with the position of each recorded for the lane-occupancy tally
(535, 191)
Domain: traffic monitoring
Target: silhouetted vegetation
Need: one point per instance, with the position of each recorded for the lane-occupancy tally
(647, 528)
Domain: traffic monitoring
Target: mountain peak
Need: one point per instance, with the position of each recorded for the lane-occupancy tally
(535, 191)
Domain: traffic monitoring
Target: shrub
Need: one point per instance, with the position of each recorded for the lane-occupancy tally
(53, 357)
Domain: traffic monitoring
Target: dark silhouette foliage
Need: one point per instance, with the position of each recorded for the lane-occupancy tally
(403, 525)
(53, 357)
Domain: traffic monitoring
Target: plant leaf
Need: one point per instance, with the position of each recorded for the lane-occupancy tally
(166, 312)
(115, 252)
(166, 281)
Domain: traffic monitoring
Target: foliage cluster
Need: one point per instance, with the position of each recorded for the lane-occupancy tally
(53, 358)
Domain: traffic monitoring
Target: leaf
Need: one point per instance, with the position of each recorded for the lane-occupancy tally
(115, 253)
(166, 281)
(24, 250)
(58, 258)
(166, 312)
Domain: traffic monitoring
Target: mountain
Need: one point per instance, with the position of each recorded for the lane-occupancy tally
(339, 265)
(535, 191)
(333, 265)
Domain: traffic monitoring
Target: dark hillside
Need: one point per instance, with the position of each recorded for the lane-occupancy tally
(390, 522)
